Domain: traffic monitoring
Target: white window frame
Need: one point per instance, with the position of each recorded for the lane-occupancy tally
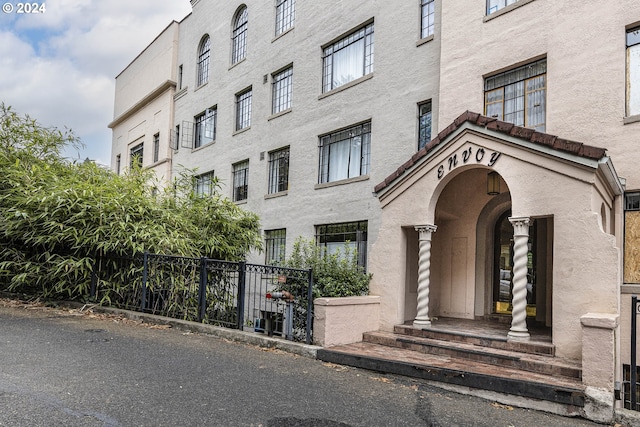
(633, 72)
(348, 59)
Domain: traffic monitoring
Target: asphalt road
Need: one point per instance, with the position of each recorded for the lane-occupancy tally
(66, 368)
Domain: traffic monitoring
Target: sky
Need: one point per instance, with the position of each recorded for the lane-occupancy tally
(59, 65)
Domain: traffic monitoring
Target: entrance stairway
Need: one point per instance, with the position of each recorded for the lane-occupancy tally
(470, 354)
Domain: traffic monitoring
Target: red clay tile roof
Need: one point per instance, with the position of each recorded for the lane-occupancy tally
(545, 139)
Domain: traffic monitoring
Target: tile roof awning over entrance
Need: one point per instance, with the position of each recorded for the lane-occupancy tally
(539, 138)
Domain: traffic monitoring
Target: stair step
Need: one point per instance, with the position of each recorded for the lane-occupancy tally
(542, 364)
(485, 340)
(458, 371)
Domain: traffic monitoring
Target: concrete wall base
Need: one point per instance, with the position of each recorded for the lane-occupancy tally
(343, 320)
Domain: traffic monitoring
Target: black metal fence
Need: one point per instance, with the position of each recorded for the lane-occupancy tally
(261, 298)
(630, 375)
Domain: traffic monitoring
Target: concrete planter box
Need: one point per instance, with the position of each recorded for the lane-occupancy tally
(344, 320)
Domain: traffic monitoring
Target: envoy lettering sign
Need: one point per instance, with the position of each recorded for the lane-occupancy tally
(471, 154)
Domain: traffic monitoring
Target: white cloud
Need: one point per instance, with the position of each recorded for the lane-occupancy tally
(59, 67)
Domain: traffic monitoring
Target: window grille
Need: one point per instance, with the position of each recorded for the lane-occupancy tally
(203, 61)
(240, 181)
(279, 171)
(285, 15)
(633, 71)
(239, 50)
(424, 124)
(282, 88)
(205, 127)
(345, 154)
(243, 110)
(427, 9)
(348, 59)
(496, 5)
(136, 153)
(334, 237)
(275, 246)
(632, 201)
(156, 147)
(204, 184)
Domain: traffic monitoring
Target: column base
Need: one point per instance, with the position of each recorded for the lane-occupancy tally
(518, 335)
(422, 323)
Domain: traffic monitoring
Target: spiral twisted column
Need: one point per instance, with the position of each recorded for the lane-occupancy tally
(424, 272)
(519, 302)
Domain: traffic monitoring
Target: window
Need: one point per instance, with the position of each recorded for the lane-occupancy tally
(279, 170)
(285, 15)
(204, 184)
(334, 237)
(496, 5)
(205, 127)
(424, 124)
(345, 154)
(240, 181)
(118, 164)
(275, 246)
(631, 237)
(239, 39)
(243, 110)
(282, 87)
(156, 147)
(203, 61)
(348, 59)
(428, 16)
(175, 144)
(180, 72)
(633, 72)
(135, 155)
(518, 96)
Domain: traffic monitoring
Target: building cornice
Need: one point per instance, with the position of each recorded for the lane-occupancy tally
(167, 85)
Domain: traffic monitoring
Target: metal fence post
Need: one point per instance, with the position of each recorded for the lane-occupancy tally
(242, 277)
(145, 267)
(632, 374)
(309, 307)
(202, 290)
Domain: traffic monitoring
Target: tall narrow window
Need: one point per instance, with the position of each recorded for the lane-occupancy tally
(203, 61)
(424, 124)
(348, 59)
(204, 184)
(118, 164)
(239, 39)
(285, 15)
(633, 72)
(427, 8)
(205, 127)
(518, 96)
(631, 237)
(156, 147)
(496, 5)
(135, 155)
(175, 144)
(240, 181)
(275, 243)
(345, 154)
(279, 171)
(335, 237)
(243, 109)
(282, 88)
(180, 71)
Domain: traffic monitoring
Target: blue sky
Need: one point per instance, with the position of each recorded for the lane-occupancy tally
(59, 66)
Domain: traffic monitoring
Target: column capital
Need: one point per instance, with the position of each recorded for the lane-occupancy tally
(425, 228)
(520, 225)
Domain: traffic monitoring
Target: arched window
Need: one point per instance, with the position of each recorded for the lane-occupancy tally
(239, 39)
(203, 61)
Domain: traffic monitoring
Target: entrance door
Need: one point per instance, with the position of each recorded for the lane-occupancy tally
(503, 267)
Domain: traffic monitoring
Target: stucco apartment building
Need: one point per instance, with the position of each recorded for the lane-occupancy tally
(481, 155)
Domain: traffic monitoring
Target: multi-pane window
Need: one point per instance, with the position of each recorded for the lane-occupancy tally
(427, 9)
(239, 38)
(118, 164)
(243, 109)
(348, 59)
(285, 15)
(204, 184)
(345, 154)
(135, 155)
(282, 88)
(424, 124)
(205, 127)
(279, 170)
(156, 147)
(275, 245)
(334, 238)
(518, 96)
(496, 5)
(240, 181)
(633, 72)
(203, 61)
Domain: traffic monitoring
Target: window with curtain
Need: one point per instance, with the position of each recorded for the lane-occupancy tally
(427, 8)
(241, 181)
(281, 92)
(203, 61)
(496, 5)
(334, 237)
(204, 184)
(243, 109)
(348, 59)
(518, 96)
(633, 71)
(239, 38)
(205, 127)
(345, 154)
(285, 15)
(424, 124)
(279, 170)
(275, 246)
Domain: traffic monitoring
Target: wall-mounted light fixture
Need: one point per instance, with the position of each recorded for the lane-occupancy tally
(493, 183)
